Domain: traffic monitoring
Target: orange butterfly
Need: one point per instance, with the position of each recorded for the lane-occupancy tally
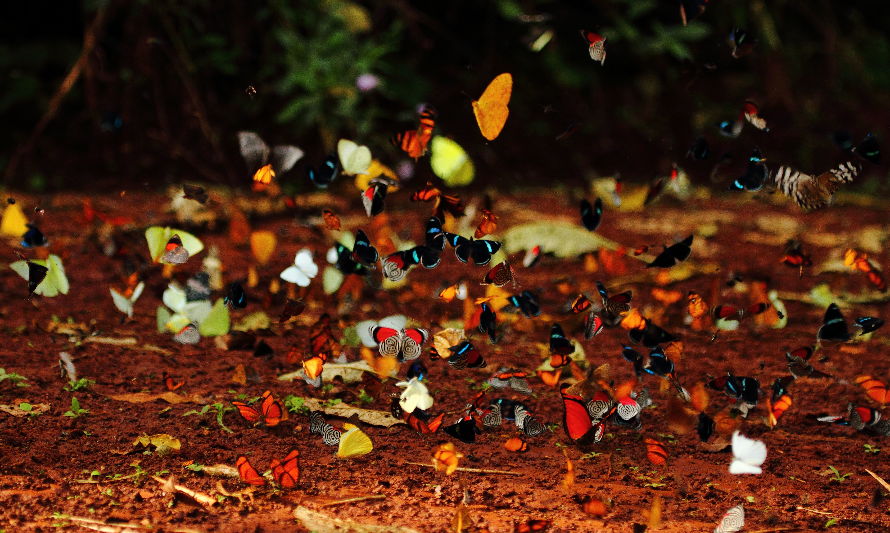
(776, 410)
(446, 458)
(530, 525)
(248, 473)
(287, 471)
(270, 413)
(331, 220)
(414, 142)
(171, 384)
(876, 390)
(859, 261)
(516, 444)
(655, 451)
(487, 225)
(550, 377)
(593, 506)
(491, 108)
(442, 203)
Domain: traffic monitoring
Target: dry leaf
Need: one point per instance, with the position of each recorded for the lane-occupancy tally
(145, 397)
(325, 523)
(161, 442)
(447, 338)
(239, 376)
(15, 410)
(655, 513)
(461, 520)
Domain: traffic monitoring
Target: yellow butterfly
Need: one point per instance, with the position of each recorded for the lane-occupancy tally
(354, 442)
(450, 162)
(491, 108)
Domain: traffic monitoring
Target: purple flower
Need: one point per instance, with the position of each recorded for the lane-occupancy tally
(367, 82)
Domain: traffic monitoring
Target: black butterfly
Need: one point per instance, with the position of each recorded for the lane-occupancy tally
(435, 235)
(417, 370)
(743, 389)
(465, 355)
(674, 254)
(464, 430)
(867, 324)
(33, 237)
(363, 251)
(373, 197)
(465, 249)
(559, 344)
(346, 263)
(236, 296)
(780, 387)
(324, 175)
(834, 327)
(396, 265)
(591, 215)
(650, 335)
(36, 275)
(755, 175)
(488, 322)
(526, 302)
(613, 306)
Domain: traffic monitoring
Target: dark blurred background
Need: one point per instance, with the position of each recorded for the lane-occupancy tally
(162, 86)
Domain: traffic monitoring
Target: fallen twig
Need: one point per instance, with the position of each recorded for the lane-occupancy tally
(170, 486)
(879, 479)
(823, 513)
(473, 470)
(99, 525)
(355, 500)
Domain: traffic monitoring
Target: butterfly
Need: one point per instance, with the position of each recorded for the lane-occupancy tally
(799, 366)
(302, 271)
(673, 254)
(449, 161)
(756, 174)
(560, 347)
(318, 426)
(578, 424)
(834, 327)
(867, 324)
(236, 297)
(417, 370)
(488, 322)
(286, 472)
(500, 275)
(699, 150)
(248, 473)
(464, 429)
(597, 44)
(743, 389)
(353, 443)
(465, 355)
(194, 192)
(532, 256)
(491, 109)
(354, 158)
(362, 251)
(263, 162)
(525, 421)
(446, 458)
(270, 413)
(526, 302)
(480, 251)
(442, 203)
(733, 520)
(591, 215)
(776, 407)
(613, 307)
(487, 225)
(188, 335)
(649, 334)
(747, 455)
(373, 197)
(516, 444)
(396, 265)
(331, 220)
(406, 344)
(752, 115)
(515, 379)
(874, 389)
(859, 261)
(814, 192)
(655, 451)
(174, 252)
(326, 173)
(343, 260)
(794, 256)
(414, 142)
(33, 237)
(449, 293)
(124, 301)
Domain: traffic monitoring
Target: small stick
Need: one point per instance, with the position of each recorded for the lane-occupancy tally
(356, 499)
(879, 479)
(799, 508)
(474, 470)
(199, 497)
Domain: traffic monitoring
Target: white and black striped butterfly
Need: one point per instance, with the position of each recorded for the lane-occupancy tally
(318, 426)
(526, 422)
(814, 192)
(405, 343)
(733, 521)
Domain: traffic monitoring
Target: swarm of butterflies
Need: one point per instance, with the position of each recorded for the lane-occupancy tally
(592, 399)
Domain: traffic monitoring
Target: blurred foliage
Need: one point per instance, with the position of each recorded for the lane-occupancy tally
(170, 83)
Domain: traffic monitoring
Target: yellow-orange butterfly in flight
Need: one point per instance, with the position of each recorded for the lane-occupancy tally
(491, 108)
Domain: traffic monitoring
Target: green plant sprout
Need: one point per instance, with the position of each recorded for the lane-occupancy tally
(221, 410)
(364, 397)
(837, 477)
(75, 410)
(18, 379)
(295, 404)
(871, 449)
(82, 383)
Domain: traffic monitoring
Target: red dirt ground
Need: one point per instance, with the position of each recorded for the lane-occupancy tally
(45, 459)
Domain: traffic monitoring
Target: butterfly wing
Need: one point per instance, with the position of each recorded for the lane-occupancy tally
(354, 158)
(748, 455)
(287, 471)
(389, 340)
(285, 157)
(578, 425)
(253, 149)
(248, 473)
(247, 412)
(354, 443)
(591, 215)
(491, 109)
(834, 327)
(272, 410)
(733, 521)
(413, 340)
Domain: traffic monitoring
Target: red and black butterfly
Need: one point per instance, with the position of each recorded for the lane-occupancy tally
(174, 252)
(560, 347)
(591, 215)
(650, 335)
(465, 355)
(500, 275)
(419, 420)
(577, 421)
(373, 198)
(363, 251)
(655, 451)
(406, 344)
(581, 303)
(286, 472)
(744, 389)
(673, 254)
(614, 306)
(799, 366)
(396, 265)
(346, 262)
(248, 473)
(480, 251)
(270, 413)
(464, 429)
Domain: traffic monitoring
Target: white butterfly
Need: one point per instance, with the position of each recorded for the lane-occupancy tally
(415, 396)
(733, 520)
(748, 455)
(354, 158)
(124, 304)
(303, 269)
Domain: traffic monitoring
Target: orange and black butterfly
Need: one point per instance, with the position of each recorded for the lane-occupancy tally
(500, 275)
(321, 338)
(795, 258)
(531, 525)
(414, 142)
(287, 471)
(270, 413)
(248, 473)
(874, 389)
(516, 444)
(655, 451)
(416, 420)
(442, 203)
